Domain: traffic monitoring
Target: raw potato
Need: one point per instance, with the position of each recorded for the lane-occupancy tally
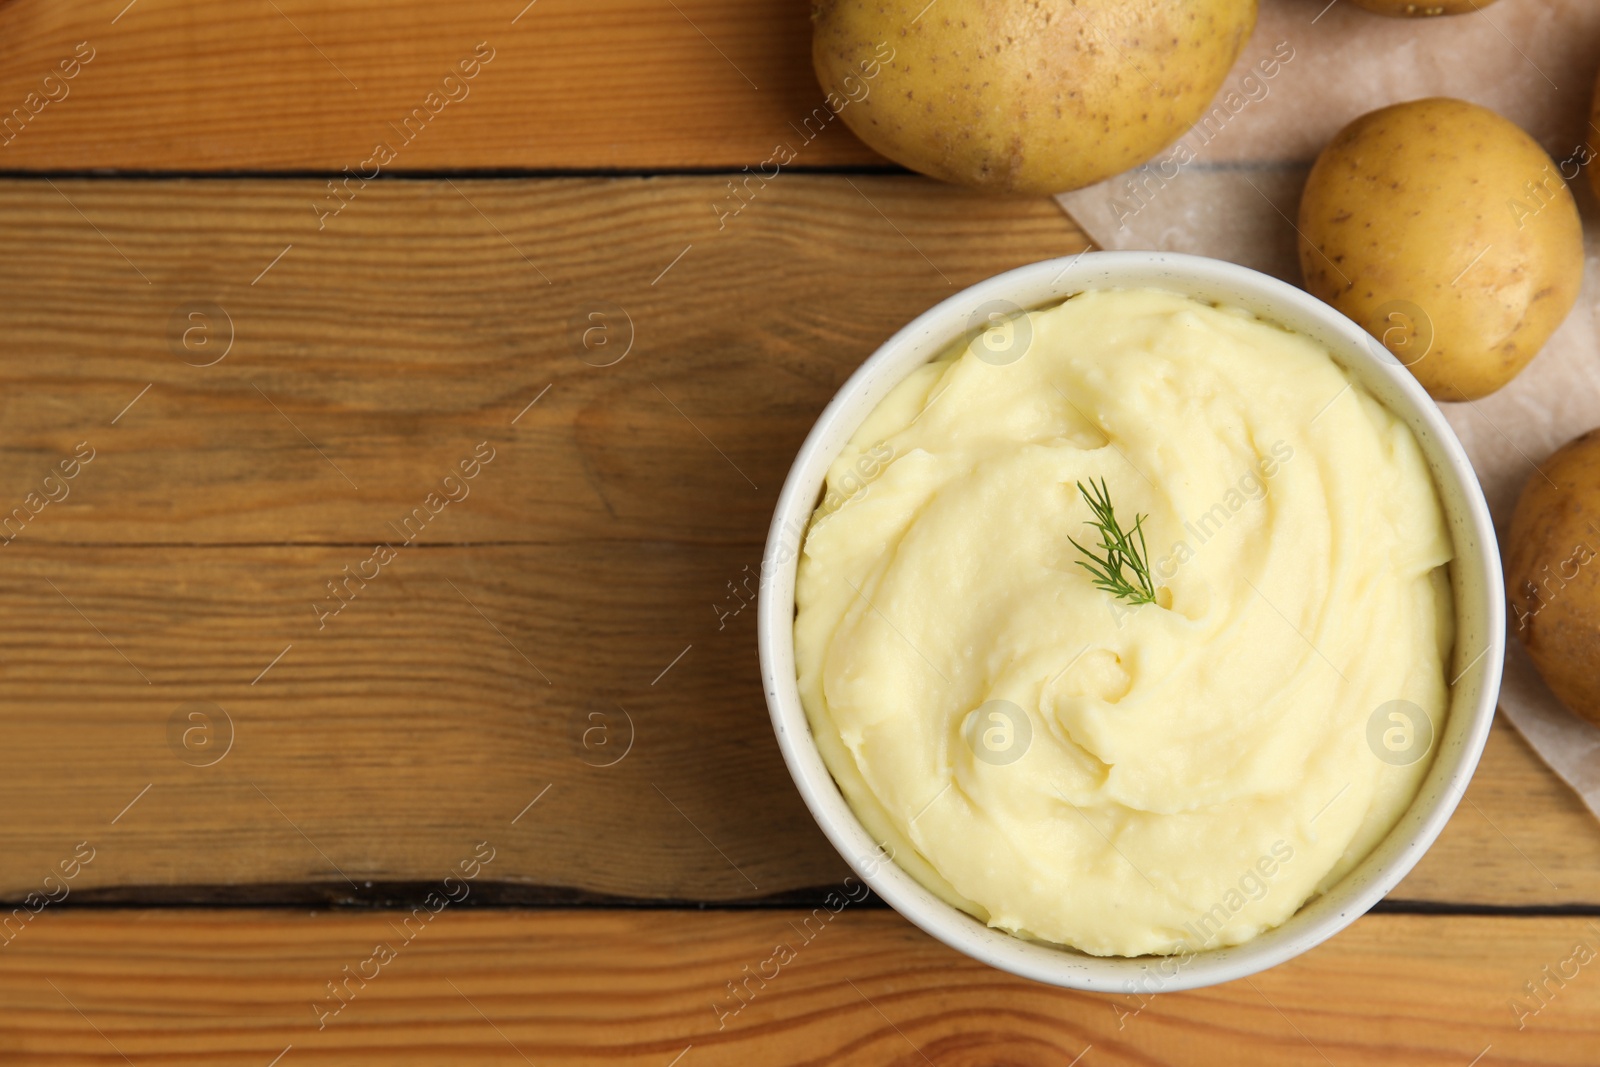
(1448, 233)
(1424, 9)
(1024, 96)
(1553, 575)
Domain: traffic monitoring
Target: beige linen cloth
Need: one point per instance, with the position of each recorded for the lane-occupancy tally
(1231, 186)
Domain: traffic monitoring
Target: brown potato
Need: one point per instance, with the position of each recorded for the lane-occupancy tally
(1018, 96)
(1413, 9)
(1553, 573)
(1449, 234)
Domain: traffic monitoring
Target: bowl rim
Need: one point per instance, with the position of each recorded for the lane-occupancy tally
(1473, 693)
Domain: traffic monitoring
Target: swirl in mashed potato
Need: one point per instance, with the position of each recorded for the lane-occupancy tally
(1066, 766)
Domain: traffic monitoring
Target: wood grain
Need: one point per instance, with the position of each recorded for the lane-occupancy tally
(272, 376)
(451, 691)
(597, 545)
(426, 316)
(640, 988)
(275, 84)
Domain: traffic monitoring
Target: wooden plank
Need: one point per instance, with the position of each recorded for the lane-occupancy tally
(1520, 837)
(447, 695)
(599, 539)
(490, 673)
(585, 84)
(378, 351)
(651, 988)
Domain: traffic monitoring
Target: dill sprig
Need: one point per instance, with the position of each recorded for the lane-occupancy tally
(1119, 553)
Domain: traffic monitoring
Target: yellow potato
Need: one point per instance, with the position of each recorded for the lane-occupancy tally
(1449, 234)
(1416, 9)
(1017, 96)
(1553, 573)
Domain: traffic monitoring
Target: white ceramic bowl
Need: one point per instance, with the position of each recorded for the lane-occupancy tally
(1475, 577)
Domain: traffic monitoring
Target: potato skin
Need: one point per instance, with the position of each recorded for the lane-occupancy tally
(1553, 573)
(1416, 9)
(1449, 234)
(1027, 96)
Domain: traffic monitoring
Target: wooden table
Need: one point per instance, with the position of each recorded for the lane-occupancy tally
(510, 795)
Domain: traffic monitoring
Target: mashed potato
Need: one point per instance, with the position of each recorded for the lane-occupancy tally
(1160, 778)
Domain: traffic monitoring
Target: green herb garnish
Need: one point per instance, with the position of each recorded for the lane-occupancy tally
(1119, 553)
